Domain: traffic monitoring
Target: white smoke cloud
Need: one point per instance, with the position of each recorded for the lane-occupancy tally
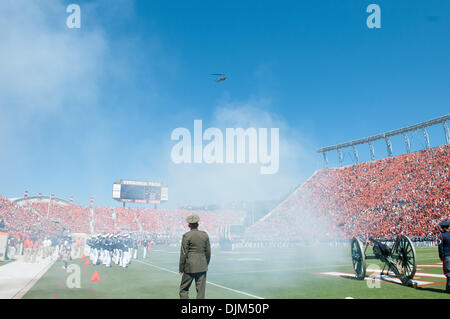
(222, 183)
(43, 65)
(52, 105)
(50, 79)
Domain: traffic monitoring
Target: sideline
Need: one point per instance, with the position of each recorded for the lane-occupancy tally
(30, 285)
(17, 277)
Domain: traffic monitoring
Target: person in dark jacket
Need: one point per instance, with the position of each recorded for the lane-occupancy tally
(194, 259)
(444, 251)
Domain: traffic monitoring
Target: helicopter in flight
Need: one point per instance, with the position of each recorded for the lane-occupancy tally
(220, 77)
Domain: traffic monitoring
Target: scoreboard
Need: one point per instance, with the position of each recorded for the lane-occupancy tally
(140, 192)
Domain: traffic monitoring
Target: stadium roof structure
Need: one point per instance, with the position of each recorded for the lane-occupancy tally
(23, 200)
(420, 126)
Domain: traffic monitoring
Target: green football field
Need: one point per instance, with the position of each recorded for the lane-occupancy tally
(314, 272)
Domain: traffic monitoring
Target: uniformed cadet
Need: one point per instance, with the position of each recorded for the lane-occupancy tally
(135, 249)
(116, 250)
(108, 250)
(194, 259)
(144, 248)
(65, 253)
(444, 251)
(94, 244)
(127, 251)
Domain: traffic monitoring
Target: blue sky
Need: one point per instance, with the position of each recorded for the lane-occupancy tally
(83, 108)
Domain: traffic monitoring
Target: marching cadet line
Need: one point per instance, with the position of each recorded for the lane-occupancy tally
(208, 282)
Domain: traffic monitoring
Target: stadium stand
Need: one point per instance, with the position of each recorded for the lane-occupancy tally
(161, 220)
(406, 194)
(25, 222)
(76, 218)
(126, 219)
(38, 219)
(104, 221)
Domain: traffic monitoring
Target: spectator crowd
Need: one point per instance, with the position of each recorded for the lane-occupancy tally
(39, 219)
(407, 194)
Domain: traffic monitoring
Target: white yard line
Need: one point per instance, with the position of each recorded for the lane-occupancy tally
(282, 269)
(234, 290)
(418, 274)
(208, 282)
(157, 267)
(431, 266)
(376, 278)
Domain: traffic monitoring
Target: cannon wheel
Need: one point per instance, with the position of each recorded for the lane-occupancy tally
(358, 258)
(405, 255)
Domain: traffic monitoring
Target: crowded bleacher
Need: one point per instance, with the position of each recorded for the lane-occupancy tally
(406, 194)
(42, 218)
(76, 218)
(25, 222)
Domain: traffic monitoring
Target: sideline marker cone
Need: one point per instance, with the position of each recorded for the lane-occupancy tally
(83, 256)
(87, 262)
(95, 276)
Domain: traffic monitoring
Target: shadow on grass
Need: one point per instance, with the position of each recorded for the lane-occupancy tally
(382, 279)
(435, 290)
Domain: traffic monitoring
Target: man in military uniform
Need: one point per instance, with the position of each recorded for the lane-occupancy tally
(94, 249)
(108, 250)
(123, 245)
(194, 259)
(444, 251)
(65, 253)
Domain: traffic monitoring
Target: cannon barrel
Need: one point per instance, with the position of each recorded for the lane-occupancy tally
(383, 248)
(373, 240)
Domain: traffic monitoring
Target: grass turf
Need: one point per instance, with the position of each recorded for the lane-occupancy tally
(4, 262)
(263, 272)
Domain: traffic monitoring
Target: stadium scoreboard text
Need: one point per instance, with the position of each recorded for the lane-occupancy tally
(140, 192)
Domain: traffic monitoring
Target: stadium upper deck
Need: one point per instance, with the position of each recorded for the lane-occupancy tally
(40, 218)
(404, 194)
(408, 193)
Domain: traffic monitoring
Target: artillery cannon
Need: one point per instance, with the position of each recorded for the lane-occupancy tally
(400, 259)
